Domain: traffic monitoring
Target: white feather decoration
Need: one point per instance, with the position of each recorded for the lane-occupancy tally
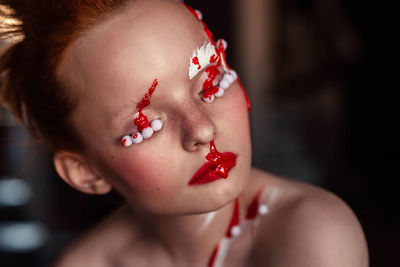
(203, 54)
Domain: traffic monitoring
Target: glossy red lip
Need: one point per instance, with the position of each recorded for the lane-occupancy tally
(217, 166)
(211, 171)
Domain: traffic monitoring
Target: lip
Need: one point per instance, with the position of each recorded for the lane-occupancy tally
(211, 171)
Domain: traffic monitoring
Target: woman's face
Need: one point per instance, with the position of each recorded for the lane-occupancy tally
(111, 68)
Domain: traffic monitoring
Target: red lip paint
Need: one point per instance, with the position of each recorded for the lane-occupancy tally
(217, 166)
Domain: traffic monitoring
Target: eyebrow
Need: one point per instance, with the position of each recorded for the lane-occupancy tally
(127, 109)
(201, 58)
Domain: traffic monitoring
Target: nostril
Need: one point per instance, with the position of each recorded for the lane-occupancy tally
(199, 135)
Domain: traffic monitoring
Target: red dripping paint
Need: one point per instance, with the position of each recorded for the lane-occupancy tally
(251, 214)
(123, 142)
(146, 99)
(252, 210)
(208, 93)
(206, 30)
(213, 256)
(135, 135)
(234, 220)
(212, 73)
(214, 58)
(245, 94)
(219, 50)
(142, 122)
(195, 61)
(191, 10)
(222, 51)
(217, 166)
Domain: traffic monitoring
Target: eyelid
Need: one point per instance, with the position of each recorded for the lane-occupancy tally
(131, 128)
(204, 77)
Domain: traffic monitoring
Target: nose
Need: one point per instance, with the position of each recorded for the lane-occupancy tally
(198, 128)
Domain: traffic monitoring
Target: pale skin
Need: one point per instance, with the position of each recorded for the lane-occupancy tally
(166, 222)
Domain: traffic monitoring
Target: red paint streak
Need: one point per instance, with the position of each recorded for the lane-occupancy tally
(213, 256)
(206, 30)
(208, 85)
(222, 51)
(212, 72)
(214, 58)
(234, 220)
(191, 10)
(195, 61)
(219, 50)
(146, 99)
(142, 122)
(252, 210)
(246, 97)
(217, 166)
(123, 142)
(208, 93)
(135, 135)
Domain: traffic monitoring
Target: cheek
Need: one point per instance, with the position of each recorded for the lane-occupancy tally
(142, 175)
(235, 111)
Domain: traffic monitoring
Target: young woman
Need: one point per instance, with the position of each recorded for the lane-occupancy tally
(138, 96)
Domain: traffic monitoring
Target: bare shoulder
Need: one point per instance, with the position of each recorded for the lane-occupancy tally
(308, 226)
(98, 246)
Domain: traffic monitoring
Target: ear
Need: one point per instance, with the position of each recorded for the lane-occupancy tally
(75, 171)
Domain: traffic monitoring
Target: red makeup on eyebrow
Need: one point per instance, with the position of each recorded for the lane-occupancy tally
(208, 85)
(142, 122)
(213, 59)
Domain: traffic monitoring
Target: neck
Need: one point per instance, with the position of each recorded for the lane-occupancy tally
(188, 239)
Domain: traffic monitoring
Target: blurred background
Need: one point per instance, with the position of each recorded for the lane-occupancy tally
(322, 112)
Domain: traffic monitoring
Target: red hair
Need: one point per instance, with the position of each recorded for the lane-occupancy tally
(31, 88)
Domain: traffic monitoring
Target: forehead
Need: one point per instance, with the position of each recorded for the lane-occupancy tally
(147, 40)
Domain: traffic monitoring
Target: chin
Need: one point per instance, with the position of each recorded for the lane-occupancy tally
(225, 191)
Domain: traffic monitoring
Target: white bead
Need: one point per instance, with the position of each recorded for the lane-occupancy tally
(235, 230)
(229, 77)
(224, 43)
(126, 141)
(263, 209)
(233, 74)
(209, 99)
(137, 138)
(156, 125)
(220, 92)
(147, 132)
(199, 14)
(224, 83)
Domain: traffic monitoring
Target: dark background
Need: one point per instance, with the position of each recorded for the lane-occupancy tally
(323, 112)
